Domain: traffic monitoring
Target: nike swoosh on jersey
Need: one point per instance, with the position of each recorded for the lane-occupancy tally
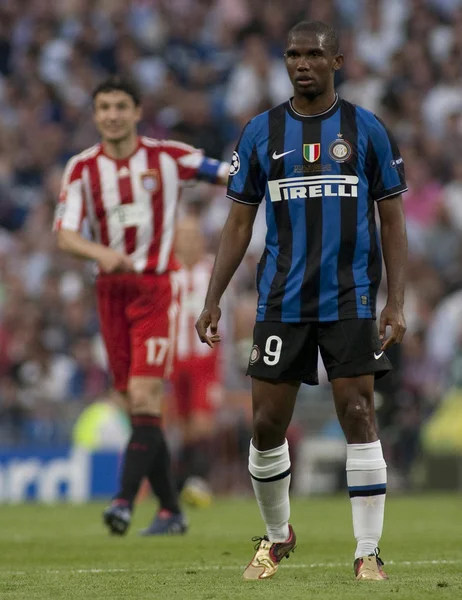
(276, 156)
(377, 356)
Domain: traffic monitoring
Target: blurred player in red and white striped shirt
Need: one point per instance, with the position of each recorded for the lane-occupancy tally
(128, 187)
(197, 374)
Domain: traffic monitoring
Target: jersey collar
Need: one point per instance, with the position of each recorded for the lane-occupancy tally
(320, 116)
(139, 143)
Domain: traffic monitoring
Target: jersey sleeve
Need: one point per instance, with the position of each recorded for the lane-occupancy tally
(247, 178)
(70, 210)
(384, 164)
(193, 164)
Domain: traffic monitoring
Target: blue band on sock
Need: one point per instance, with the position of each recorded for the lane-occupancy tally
(367, 490)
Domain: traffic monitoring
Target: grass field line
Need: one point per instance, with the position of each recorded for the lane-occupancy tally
(326, 565)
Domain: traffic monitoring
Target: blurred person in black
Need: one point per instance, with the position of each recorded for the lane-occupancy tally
(12, 216)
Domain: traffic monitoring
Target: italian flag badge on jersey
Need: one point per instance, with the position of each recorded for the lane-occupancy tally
(311, 152)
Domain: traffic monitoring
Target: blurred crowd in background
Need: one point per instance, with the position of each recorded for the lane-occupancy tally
(205, 68)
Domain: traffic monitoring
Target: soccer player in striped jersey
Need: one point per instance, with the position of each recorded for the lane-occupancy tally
(127, 187)
(196, 380)
(323, 166)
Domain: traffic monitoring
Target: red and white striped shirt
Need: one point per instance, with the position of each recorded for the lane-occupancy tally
(131, 203)
(193, 284)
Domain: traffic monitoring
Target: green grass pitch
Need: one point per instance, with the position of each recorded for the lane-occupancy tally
(63, 552)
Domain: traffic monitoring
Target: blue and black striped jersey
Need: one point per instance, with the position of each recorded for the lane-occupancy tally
(321, 176)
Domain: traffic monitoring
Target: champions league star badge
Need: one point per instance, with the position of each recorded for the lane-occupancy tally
(340, 150)
(235, 164)
(254, 355)
(150, 180)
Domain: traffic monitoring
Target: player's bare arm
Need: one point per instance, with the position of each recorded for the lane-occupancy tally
(394, 244)
(234, 242)
(107, 258)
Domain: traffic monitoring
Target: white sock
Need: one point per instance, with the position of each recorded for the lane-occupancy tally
(270, 472)
(367, 484)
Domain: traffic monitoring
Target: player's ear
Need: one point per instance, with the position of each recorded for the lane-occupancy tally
(338, 62)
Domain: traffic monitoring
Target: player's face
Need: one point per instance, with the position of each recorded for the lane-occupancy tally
(116, 115)
(310, 65)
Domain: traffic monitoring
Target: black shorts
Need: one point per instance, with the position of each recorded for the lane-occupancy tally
(289, 351)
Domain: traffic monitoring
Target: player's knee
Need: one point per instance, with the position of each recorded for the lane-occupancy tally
(145, 396)
(200, 426)
(358, 415)
(356, 410)
(267, 430)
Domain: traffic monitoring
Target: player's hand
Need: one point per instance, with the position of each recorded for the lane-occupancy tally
(112, 261)
(392, 316)
(209, 318)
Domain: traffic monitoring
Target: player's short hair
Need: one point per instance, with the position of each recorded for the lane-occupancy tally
(320, 29)
(116, 83)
